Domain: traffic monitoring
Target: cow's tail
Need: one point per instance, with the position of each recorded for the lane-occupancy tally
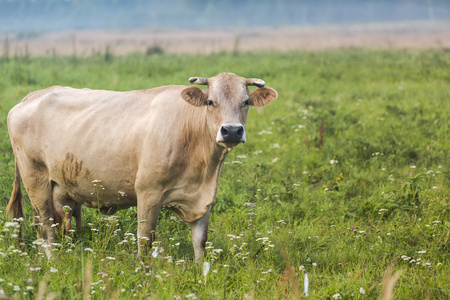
(15, 206)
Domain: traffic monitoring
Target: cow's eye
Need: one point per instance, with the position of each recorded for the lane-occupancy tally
(210, 103)
(246, 103)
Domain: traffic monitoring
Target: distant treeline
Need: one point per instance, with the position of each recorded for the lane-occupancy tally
(44, 15)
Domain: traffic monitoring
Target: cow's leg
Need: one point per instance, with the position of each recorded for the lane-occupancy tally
(64, 208)
(199, 233)
(147, 214)
(38, 186)
(44, 209)
(39, 191)
(77, 214)
(37, 221)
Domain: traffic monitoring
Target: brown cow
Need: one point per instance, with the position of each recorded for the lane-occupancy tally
(156, 148)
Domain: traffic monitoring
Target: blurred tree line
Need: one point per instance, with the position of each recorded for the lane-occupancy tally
(43, 15)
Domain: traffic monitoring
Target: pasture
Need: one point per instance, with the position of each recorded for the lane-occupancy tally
(344, 175)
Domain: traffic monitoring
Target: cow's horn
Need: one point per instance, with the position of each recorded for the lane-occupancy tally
(255, 81)
(199, 80)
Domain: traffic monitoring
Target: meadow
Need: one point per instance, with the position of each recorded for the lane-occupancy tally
(345, 177)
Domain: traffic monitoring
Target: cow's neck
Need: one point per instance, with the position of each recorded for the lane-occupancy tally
(200, 144)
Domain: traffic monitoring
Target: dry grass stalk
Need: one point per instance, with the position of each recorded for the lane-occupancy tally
(359, 274)
(42, 287)
(52, 296)
(288, 276)
(87, 280)
(389, 281)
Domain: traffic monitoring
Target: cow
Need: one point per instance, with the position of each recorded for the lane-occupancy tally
(157, 148)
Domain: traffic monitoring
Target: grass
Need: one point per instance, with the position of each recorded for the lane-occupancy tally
(343, 176)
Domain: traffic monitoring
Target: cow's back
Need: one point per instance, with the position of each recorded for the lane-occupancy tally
(62, 115)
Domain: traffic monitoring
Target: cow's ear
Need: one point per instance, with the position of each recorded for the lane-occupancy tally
(263, 96)
(194, 96)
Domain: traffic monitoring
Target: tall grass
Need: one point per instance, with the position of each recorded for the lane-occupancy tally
(346, 174)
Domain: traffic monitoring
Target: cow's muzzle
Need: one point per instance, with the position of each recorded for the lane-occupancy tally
(231, 133)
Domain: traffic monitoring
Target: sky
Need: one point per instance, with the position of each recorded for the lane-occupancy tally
(56, 15)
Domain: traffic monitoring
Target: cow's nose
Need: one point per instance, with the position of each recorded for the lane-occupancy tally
(232, 133)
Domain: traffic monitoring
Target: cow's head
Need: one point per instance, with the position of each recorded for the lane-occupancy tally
(227, 99)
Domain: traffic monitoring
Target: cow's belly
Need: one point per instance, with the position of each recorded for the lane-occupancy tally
(97, 196)
(112, 195)
(93, 186)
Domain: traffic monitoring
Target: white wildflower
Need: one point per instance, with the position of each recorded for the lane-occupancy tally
(38, 242)
(264, 132)
(206, 266)
(10, 224)
(35, 269)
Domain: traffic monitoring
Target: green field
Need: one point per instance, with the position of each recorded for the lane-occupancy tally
(345, 174)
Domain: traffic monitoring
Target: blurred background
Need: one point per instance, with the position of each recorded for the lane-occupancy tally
(86, 27)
